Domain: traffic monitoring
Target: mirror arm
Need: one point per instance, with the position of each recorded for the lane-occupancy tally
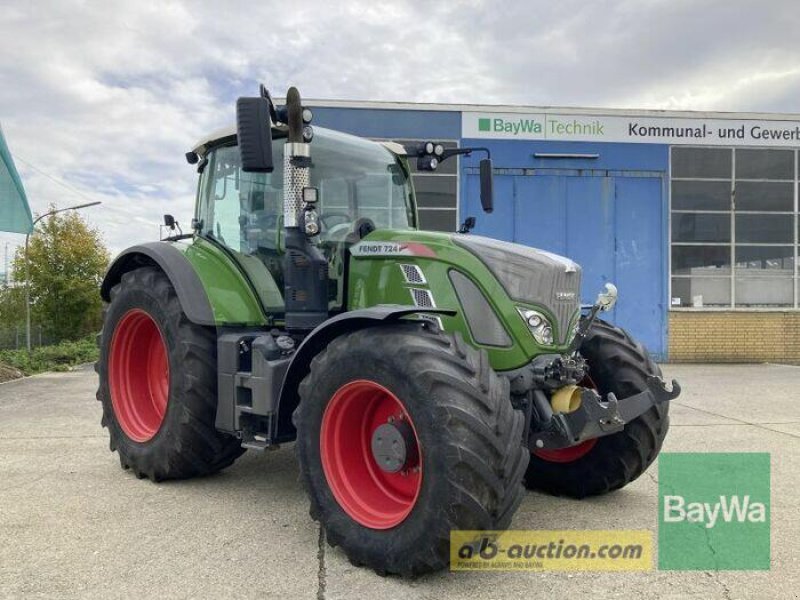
(465, 151)
(416, 150)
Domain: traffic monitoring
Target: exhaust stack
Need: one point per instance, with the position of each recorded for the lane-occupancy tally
(305, 267)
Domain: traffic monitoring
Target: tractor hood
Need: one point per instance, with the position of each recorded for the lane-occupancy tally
(531, 276)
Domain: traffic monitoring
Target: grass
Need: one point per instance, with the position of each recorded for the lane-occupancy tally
(59, 357)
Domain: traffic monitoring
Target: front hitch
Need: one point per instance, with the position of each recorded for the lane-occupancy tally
(594, 417)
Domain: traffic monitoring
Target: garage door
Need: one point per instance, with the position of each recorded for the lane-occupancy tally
(608, 221)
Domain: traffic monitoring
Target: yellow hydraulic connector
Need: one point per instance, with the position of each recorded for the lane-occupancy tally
(566, 399)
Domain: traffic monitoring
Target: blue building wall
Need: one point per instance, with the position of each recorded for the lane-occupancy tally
(609, 213)
(385, 123)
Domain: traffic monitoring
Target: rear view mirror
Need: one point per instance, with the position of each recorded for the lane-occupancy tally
(254, 130)
(487, 185)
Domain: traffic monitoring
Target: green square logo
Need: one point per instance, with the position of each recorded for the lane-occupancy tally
(714, 511)
(484, 124)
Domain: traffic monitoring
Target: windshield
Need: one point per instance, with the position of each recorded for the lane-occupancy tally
(356, 178)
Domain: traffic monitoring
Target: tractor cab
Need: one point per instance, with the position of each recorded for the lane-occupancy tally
(362, 186)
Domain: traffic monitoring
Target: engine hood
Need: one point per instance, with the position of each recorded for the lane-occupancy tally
(531, 276)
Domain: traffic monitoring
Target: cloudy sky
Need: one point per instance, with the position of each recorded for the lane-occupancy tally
(100, 100)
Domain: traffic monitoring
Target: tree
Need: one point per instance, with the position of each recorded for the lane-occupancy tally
(67, 263)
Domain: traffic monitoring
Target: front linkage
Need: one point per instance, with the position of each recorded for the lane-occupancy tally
(590, 416)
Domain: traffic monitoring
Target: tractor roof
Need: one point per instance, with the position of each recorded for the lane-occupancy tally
(229, 134)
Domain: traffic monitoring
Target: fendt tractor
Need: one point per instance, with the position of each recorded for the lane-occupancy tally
(427, 378)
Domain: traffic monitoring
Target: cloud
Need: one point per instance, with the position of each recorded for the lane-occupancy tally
(107, 96)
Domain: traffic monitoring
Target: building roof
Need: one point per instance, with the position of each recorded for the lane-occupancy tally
(564, 110)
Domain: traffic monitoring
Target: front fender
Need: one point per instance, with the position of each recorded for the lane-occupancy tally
(318, 339)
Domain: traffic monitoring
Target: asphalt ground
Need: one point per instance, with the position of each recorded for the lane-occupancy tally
(75, 525)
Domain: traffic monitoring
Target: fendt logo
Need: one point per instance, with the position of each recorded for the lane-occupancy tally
(516, 127)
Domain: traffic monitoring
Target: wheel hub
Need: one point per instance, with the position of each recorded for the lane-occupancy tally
(393, 446)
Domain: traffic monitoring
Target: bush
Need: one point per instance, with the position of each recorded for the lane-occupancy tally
(59, 357)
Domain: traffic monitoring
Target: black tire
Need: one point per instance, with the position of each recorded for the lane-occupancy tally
(619, 364)
(186, 444)
(470, 436)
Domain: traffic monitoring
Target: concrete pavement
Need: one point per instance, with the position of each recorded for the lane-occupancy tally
(74, 525)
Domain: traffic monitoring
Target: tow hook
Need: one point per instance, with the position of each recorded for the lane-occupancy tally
(594, 417)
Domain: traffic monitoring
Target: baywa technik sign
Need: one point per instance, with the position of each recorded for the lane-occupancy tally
(644, 130)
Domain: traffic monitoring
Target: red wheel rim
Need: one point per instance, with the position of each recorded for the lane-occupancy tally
(566, 455)
(138, 375)
(571, 453)
(370, 496)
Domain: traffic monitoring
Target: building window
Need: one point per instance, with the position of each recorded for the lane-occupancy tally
(734, 226)
(437, 191)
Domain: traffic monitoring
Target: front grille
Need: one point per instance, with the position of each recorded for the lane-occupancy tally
(564, 310)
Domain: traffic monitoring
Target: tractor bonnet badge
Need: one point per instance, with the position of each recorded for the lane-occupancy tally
(366, 249)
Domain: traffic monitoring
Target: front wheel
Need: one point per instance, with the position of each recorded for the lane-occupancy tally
(404, 434)
(621, 365)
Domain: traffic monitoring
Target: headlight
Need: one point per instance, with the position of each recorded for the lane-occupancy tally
(539, 325)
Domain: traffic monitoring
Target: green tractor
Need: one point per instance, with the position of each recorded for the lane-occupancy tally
(426, 378)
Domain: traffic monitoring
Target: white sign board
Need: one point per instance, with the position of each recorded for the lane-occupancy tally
(631, 129)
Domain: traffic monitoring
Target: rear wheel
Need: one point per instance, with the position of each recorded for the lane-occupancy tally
(621, 365)
(404, 434)
(158, 383)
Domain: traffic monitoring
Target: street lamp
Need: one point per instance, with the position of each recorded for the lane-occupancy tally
(27, 265)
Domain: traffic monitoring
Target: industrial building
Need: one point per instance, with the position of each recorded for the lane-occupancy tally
(694, 216)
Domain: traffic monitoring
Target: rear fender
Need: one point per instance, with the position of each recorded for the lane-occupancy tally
(191, 293)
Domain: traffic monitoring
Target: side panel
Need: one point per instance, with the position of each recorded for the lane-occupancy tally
(233, 300)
